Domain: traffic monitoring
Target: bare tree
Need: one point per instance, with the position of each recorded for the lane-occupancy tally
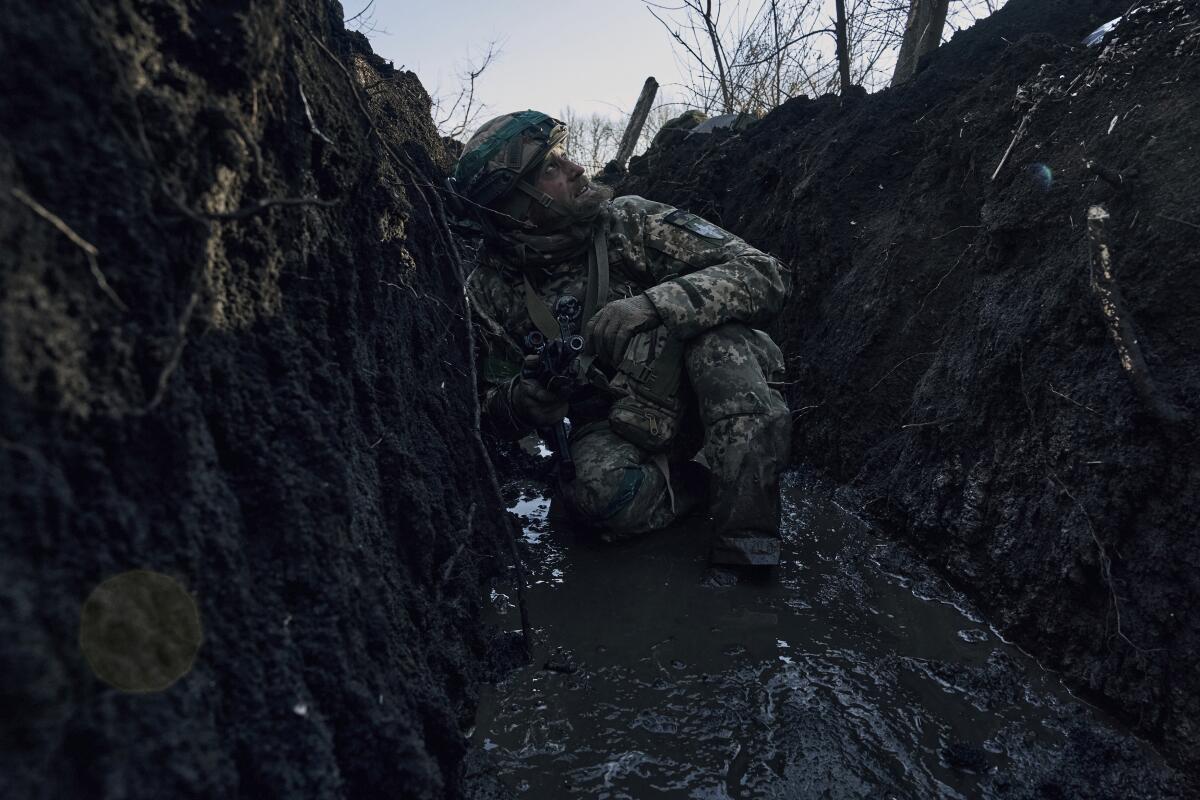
(752, 55)
(593, 139)
(843, 46)
(922, 35)
(456, 114)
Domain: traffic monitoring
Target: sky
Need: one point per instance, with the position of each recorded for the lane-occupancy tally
(591, 55)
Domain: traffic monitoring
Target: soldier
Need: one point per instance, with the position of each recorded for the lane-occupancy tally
(666, 303)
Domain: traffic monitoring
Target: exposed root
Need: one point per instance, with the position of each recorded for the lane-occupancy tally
(312, 123)
(172, 363)
(898, 366)
(1105, 566)
(449, 567)
(87, 247)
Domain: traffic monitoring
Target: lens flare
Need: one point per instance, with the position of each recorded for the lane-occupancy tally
(1042, 175)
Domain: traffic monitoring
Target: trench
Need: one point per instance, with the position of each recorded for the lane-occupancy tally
(852, 671)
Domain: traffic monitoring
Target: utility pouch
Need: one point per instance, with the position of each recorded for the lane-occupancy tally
(650, 379)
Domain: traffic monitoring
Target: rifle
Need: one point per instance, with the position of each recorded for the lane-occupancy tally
(556, 369)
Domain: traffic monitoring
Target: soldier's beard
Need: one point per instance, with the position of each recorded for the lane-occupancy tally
(580, 209)
(585, 205)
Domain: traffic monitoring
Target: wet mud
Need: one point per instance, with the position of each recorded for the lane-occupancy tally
(853, 671)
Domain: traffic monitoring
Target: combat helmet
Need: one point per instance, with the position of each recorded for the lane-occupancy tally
(502, 152)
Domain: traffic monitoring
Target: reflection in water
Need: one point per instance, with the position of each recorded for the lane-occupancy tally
(853, 672)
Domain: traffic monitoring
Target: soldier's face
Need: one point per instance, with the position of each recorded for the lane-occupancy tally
(565, 181)
(561, 178)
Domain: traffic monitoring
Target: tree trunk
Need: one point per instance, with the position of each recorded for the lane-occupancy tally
(636, 121)
(843, 47)
(926, 18)
(711, 25)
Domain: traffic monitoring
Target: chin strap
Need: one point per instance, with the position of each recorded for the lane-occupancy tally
(544, 200)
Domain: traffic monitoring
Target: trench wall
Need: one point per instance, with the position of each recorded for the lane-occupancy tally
(949, 356)
(232, 351)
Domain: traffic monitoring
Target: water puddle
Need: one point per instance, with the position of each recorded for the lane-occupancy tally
(853, 672)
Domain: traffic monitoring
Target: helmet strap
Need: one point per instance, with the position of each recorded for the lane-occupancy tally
(544, 200)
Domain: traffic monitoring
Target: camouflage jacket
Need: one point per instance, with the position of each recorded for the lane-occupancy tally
(696, 275)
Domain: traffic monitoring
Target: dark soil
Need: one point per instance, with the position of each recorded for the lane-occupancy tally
(271, 403)
(950, 358)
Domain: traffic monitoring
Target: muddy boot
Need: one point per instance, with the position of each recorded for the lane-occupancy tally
(720, 576)
(746, 548)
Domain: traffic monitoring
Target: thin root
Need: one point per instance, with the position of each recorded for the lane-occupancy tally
(87, 247)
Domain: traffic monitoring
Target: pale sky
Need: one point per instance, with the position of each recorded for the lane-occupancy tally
(591, 55)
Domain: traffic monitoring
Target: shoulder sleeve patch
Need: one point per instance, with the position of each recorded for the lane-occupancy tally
(695, 224)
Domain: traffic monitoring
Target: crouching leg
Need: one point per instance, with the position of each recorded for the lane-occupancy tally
(747, 438)
(620, 490)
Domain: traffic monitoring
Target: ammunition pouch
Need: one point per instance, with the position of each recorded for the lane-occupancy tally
(650, 408)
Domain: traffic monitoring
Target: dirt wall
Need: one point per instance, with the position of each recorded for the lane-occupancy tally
(232, 351)
(951, 359)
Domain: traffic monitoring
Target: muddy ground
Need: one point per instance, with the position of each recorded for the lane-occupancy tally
(854, 671)
(259, 384)
(950, 358)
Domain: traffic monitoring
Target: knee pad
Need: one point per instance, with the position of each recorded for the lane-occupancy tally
(597, 499)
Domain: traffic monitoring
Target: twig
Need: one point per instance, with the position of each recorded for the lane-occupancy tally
(462, 545)
(1072, 400)
(1180, 221)
(931, 422)
(87, 247)
(952, 230)
(176, 356)
(1120, 324)
(312, 123)
(893, 369)
(938, 285)
(1016, 136)
(263, 205)
(1105, 563)
(366, 8)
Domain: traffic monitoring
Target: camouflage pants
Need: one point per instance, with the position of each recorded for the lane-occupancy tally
(746, 431)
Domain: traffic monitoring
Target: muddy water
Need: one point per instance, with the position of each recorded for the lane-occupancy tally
(852, 672)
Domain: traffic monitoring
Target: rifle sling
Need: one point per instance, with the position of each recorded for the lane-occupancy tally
(597, 289)
(597, 285)
(540, 313)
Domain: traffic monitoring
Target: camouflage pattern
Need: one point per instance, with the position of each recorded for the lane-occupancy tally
(745, 426)
(710, 288)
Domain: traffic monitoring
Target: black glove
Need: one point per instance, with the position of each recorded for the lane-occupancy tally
(609, 331)
(533, 403)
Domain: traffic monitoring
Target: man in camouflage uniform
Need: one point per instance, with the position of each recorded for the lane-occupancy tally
(671, 279)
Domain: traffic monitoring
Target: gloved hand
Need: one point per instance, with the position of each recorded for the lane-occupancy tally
(533, 403)
(609, 331)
